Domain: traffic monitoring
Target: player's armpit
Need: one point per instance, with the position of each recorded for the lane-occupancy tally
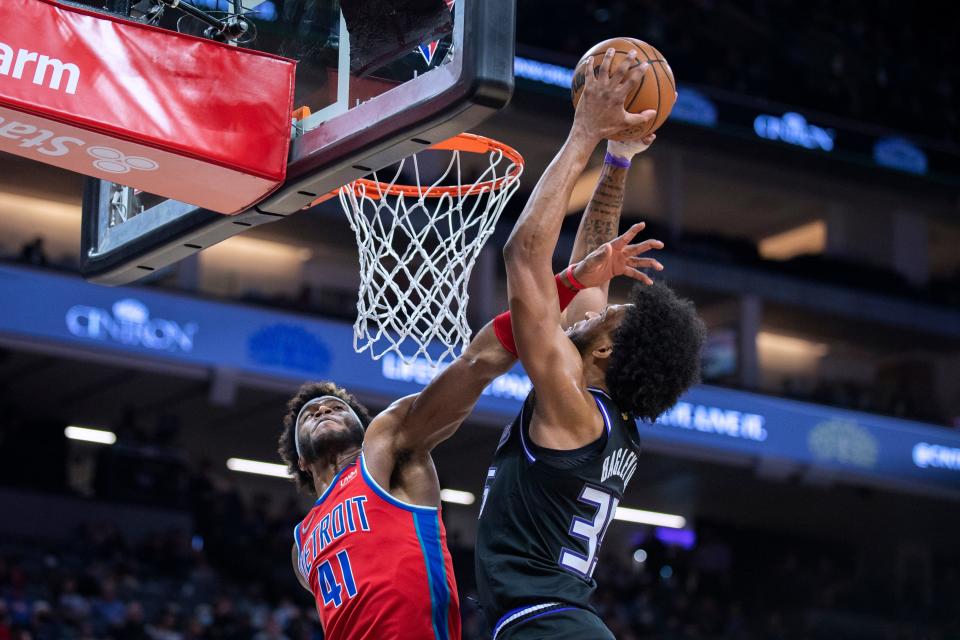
(549, 357)
(565, 415)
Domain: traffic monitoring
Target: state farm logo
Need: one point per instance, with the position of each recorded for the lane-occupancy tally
(41, 69)
(47, 143)
(114, 161)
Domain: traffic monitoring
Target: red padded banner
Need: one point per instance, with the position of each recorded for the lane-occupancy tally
(170, 114)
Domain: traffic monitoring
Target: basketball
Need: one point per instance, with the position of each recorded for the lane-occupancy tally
(657, 89)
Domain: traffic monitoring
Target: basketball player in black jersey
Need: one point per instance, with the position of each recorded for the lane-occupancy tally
(563, 465)
(326, 428)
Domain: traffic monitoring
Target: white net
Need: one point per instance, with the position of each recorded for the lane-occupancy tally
(417, 247)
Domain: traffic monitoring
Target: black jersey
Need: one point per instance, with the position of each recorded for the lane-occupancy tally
(544, 514)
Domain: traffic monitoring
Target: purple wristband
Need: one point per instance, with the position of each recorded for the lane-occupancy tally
(616, 161)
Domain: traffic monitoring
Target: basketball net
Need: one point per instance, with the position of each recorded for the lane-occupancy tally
(417, 246)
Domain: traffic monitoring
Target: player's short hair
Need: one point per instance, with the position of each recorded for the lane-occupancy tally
(656, 352)
(288, 446)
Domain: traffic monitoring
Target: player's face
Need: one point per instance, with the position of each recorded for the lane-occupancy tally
(328, 426)
(595, 325)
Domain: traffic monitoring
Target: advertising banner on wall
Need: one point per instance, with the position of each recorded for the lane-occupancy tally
(150, 326)
(169, 114)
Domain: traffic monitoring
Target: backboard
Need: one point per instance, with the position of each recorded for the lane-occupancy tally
(382, 79)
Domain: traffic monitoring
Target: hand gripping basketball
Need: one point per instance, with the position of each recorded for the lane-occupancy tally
(657, 88)
(600, 112)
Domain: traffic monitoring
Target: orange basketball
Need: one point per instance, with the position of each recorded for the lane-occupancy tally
(657, 89)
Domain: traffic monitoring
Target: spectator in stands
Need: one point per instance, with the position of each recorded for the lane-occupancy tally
(272, 631)
(108, 611)
(32, 253)
(73, 606)
(133, 627)
(167, 625)
(6, 626)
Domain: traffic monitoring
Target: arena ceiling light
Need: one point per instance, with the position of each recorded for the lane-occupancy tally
(808, 238)
(455, 496)
(86, 434)
(777, 348)
(13, 204)
(260, 468)
(650, 517)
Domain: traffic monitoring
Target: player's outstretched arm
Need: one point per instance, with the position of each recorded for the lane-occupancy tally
(601, 220)
(435, 413)
(424, 420)
(550, 359)
(412, 426)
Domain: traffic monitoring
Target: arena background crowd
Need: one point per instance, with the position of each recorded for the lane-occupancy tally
(229, 578)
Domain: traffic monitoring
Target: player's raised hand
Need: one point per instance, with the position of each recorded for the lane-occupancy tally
(600, 111)
(618, 258)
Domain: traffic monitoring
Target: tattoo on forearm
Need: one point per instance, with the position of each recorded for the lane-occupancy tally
(602, 217)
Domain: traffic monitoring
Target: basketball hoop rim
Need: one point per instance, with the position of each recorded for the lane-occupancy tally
(419, 254)
(465, 142)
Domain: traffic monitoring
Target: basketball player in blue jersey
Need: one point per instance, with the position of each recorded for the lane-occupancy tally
(563, 465)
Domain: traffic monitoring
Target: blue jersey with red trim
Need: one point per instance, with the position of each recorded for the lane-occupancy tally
(378, 567)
